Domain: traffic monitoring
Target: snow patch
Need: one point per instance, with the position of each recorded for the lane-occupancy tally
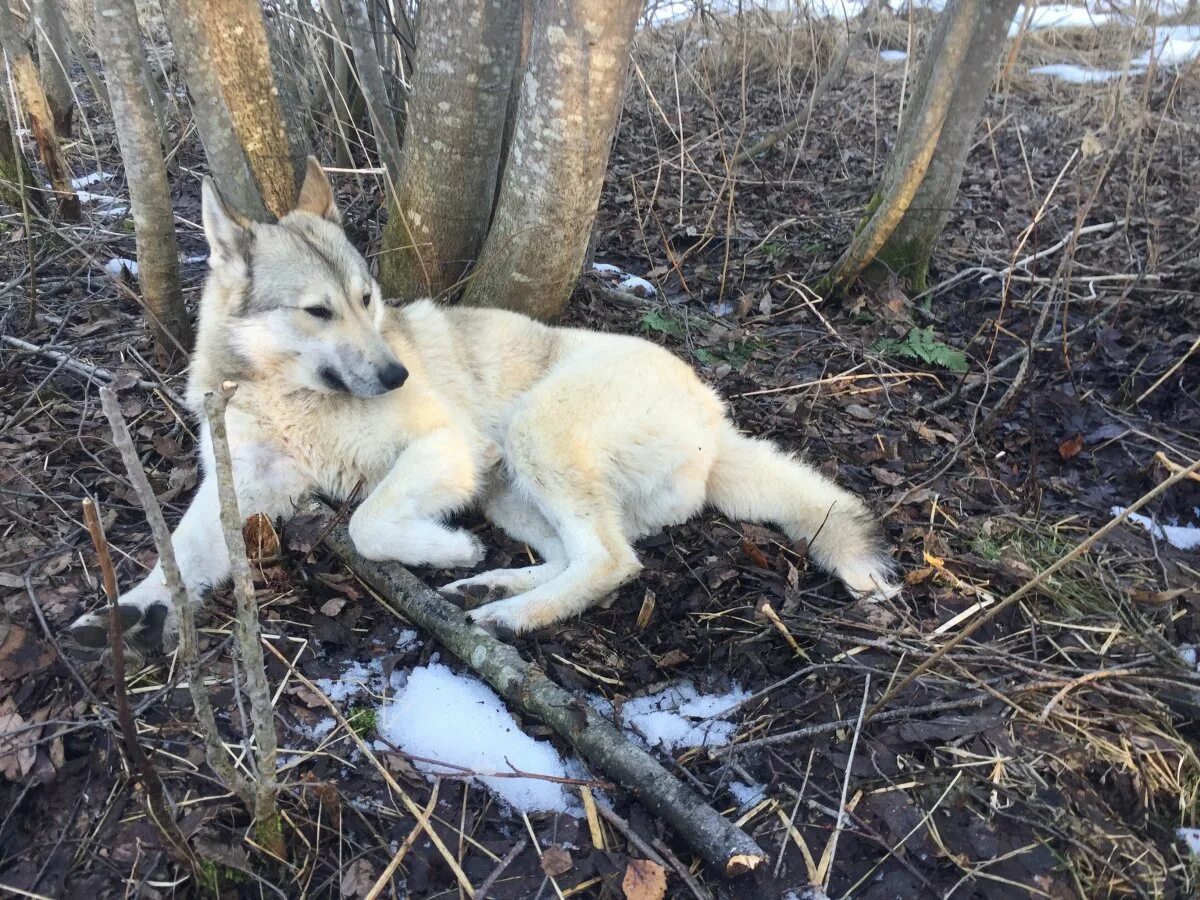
(118, 263)
(1174, 45)
(679, 717)
(893, 55)
(1059, 15)
(318, 730)
(747, 795)
(1185, 537)
(626, 281)
(458, 720)
(367, 678)
(1076, 74)
(91, 178)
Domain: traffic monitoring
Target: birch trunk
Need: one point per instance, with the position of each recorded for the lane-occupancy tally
(118, 41)
(53, 61)
(922, 175)
(225, 56)
(37, 110)
(446, 179)
(571, 97)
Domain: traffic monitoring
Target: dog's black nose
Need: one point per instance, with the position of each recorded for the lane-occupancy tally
(393, 375)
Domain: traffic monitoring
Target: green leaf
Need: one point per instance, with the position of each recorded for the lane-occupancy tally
(922, 344)
(656, 321)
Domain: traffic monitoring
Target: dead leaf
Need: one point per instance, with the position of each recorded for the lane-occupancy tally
(357, 880)
(18, 743)
(261, 540)
(1090, 145)
(647, 610)
(1071, 447)
(305, 695)
(883, 476)
(21, 653)
(556, 861)
(644, 880)
(333, 606)
(755, 553)
(1156, 598)
(671, 659)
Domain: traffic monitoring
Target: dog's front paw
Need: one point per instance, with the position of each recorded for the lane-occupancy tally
(151, 626)
(147, 618)
(502, 619)
(462, 551)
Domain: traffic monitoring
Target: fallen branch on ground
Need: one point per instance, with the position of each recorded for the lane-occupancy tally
(710, 835)
(79, 367)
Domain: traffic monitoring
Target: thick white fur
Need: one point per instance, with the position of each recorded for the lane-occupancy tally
(575, 442)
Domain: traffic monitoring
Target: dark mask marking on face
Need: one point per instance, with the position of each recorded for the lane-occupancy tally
(333, 380)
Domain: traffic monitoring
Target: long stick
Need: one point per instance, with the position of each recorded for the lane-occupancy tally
(188, 656)
(714, 838)
(249, 644)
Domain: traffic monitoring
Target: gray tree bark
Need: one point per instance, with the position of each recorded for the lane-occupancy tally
(571, 97)
(119, 43)
(360, 31)
(446, 179)
(921, 179)
(339, 101)
(37, 110)
(53, 61)
(223, 50)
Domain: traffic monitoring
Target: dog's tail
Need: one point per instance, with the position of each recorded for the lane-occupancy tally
(754, 481)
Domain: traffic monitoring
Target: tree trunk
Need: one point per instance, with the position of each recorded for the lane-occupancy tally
(224, 53)
(15, 177)
(920, 181)
(571, 97)
(446, 179)
(119, 43)
(37, 109)
(339, 102)
(908, 249)
(79, 53)
(54, 61)
(360, 30)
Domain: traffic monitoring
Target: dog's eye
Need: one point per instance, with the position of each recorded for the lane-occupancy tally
(319, 312)
(367, 299)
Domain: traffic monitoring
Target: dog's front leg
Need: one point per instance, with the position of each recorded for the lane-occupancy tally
(402, 519)
(266, 481)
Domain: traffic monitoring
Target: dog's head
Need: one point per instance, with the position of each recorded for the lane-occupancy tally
(295, 299)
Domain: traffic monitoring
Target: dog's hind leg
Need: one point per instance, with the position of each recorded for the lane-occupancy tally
(599, 560)
(509, 511)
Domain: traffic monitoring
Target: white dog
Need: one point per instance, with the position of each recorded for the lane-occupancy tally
(574, 442)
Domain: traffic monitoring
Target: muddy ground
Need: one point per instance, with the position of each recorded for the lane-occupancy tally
(1059, 756)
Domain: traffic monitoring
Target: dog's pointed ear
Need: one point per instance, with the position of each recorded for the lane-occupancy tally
(227, 233)
(316, 194)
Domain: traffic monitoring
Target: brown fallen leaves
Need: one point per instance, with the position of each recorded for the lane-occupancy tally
(644, 880)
